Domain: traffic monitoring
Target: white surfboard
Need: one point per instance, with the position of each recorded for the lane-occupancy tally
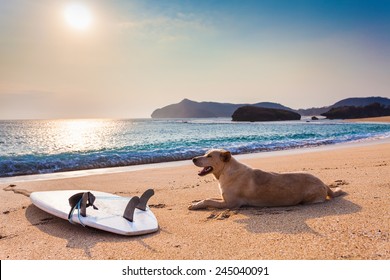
(108, 216)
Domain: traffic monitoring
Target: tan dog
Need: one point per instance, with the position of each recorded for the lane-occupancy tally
(241, 185)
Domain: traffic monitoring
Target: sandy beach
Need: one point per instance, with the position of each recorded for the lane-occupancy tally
(355, 226)
(385, 119)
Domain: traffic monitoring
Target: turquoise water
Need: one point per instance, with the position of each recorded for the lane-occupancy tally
(46, 146)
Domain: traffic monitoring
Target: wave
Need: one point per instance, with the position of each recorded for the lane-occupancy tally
(42, 164)
(38, 147)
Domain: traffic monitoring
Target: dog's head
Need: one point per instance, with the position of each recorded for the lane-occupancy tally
(212, 162)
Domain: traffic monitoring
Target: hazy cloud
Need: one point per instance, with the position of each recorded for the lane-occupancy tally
(168, 29)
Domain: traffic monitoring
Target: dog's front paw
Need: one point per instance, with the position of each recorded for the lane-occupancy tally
(191, 207)
(195, 205)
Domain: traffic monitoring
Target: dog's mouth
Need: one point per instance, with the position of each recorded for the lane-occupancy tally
(205, 171)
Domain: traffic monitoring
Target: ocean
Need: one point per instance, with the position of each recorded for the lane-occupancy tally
(48, 146)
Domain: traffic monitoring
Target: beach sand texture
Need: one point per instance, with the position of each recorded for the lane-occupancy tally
(355, 226)
(385, 119)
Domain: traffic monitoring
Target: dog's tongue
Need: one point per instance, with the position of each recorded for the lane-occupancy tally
(205, 171)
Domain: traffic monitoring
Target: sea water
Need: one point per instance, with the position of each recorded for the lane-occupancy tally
(47, 146)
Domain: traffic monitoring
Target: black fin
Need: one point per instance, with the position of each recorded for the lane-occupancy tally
(130, 208)
(91, 200)
(144, 199)
(74, 199)
(86, 199)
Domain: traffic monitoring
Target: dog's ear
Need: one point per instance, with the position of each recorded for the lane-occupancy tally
(225, 156)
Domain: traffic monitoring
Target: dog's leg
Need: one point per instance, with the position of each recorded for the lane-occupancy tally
(210, 203)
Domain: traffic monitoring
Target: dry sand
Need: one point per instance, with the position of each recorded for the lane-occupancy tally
(355, 226)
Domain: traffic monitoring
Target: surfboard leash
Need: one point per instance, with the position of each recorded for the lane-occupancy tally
(81, 201)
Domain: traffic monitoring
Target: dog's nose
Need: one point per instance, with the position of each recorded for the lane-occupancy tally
(194, 160)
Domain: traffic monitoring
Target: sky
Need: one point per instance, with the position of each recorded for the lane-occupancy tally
(125, 58)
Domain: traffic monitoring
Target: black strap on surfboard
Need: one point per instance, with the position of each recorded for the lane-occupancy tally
(81, 200)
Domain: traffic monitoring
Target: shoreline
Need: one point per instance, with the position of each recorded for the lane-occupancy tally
(133, 168)
(354, 226)
(385, 119)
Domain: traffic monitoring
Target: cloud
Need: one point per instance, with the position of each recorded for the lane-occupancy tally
(168, 29)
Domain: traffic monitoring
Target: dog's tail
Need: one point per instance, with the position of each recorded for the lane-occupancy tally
(335, 191)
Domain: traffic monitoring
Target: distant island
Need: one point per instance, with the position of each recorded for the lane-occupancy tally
(192, 109)
(353, 101)
(259, 114)
(356, 112)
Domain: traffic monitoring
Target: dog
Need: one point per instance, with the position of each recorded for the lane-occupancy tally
(241, 185)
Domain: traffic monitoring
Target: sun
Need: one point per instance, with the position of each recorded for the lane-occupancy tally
(78, 16)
